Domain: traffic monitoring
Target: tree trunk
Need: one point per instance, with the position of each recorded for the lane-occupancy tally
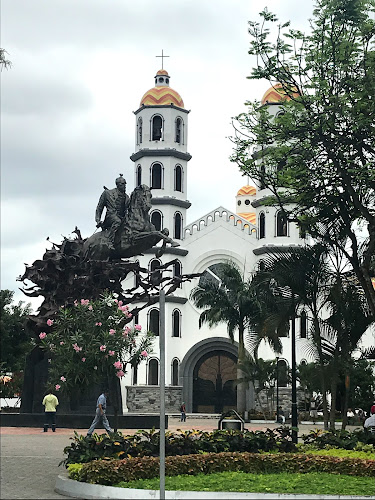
(346, 401)
(332, 416)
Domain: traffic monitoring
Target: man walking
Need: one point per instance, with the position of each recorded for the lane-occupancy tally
(100, 415)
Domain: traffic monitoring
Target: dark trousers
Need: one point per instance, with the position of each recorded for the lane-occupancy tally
(50, 420)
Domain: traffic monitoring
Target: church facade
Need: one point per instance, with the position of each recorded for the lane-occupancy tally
(200, 361)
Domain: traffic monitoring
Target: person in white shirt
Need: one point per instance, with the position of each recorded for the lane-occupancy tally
(370, 421)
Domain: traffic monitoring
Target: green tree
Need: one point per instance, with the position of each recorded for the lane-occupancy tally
(293, 279)
(231, 299)
(90, 343)
(262, 374)
(15, 343)
(317, 157)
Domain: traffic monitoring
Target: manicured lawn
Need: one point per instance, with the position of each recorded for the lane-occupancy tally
(311, 483)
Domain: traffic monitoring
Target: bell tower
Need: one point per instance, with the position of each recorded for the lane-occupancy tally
(161, 157)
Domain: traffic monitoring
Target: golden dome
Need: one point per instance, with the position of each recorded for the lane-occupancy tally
(251, 217)
(276, 94)
(162, 96)
(162, 72)
(249, 190)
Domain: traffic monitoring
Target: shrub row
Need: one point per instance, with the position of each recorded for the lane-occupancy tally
(339, 438)
(111, 471)
(146, 443)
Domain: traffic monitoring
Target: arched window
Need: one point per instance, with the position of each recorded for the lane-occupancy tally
(177, 270)
(156, 176)
(176, 323)
(178, 134)
(281, 224)
(177, 226)
(139, 130)
(303, 325)
(175, 365)
(153, 321)
(139, 175)
(178, 178)
(153, 372)
(261, 265)
(157, 128)
(262, 225)
(136, 277)
(282, 368)
(155, 274)
(156, 220)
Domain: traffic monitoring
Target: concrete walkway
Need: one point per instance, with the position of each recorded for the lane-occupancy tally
(30, 457)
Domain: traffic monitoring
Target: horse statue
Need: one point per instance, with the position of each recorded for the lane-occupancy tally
(135, 235)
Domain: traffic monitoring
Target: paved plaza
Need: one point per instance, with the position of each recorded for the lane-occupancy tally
(30, 457)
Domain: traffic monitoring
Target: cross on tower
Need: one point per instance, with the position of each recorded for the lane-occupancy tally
(162, 59)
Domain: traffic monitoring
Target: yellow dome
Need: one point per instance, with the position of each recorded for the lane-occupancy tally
(251, 217)
(276, 94)
(162, 72)
(249, 190)
(162, 96)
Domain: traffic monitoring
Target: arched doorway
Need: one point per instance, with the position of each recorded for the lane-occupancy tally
(214, 390)
(195, 357)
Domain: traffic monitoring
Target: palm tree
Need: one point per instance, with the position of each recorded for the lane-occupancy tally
(228, 300)
(298, 278)
(232, 300)
(262, 374)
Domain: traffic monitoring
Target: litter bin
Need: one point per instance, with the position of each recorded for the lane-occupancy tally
(236, 423)
(232, 425)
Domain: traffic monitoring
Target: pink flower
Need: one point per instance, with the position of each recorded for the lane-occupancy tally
(144, 354)
(112, 331)
(75, 303)
(63, 379)
(49, 322)
(138, 328)
(57, 387)
(85, 302)
(98, 324)
(120, 374)
(42, 335)
(103, 348)
(118, 365)
(83, 360)
(111, 353)
(90, 308)
(119, 303)
(76, 347)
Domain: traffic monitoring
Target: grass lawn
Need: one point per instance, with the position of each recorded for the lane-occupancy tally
(321, 483)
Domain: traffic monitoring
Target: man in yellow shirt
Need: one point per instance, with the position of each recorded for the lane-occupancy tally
(50, 402)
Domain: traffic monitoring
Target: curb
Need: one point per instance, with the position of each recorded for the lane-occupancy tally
(75, 489)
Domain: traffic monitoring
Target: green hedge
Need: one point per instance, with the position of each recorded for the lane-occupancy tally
(112, 471)
(146, 443)
(339, 438)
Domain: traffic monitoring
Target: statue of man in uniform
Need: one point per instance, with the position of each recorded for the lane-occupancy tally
(116, 202)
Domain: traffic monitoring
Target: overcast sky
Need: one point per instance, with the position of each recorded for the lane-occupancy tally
(79, 70)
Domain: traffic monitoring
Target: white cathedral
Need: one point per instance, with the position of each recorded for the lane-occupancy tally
(200, 361)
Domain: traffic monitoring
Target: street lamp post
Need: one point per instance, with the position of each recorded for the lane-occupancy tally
(277, 389)
(294, 378)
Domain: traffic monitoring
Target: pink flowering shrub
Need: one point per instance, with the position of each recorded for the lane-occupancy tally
(81, 353)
